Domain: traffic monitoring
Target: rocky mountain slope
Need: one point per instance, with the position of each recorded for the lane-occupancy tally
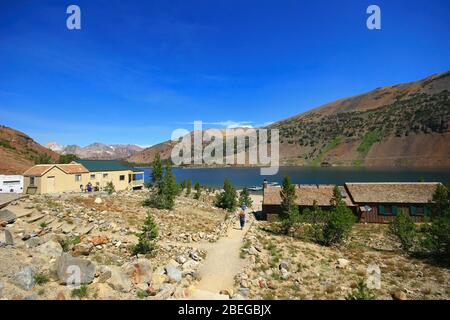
(96, 150)
(18, 151)
(400, 125)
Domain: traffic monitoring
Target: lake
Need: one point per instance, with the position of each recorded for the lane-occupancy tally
(246, 177)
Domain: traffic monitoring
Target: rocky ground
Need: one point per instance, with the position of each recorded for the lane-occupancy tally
(281, 267)
(41, 236)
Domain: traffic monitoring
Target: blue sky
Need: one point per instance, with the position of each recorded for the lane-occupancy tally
(137, 70)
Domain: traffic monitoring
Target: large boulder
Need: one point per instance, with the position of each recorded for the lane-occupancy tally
(67, 266)
(24, 279)
(7, 216)
(6, 238)
(139, 271)
(82, 249)
(119, 280)
(50, 249)
(173, 273)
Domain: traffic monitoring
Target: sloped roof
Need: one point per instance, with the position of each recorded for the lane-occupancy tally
(414, 192)
(40, 169)
(104, 165)
(306, 195)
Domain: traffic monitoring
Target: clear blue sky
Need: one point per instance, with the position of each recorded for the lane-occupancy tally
(139, 69)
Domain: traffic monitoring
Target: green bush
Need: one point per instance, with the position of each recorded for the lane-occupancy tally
(362, 292)
(110, 188)
(166, 192)
(147, 237)
(339, 224)
(81, 292)
(244, 198)
(227, 198)
(40, 278)
(404, 229)
(68, 158)
(198, 191)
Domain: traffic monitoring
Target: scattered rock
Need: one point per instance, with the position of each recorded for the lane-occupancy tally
(6, 238)
(66, 265)
(342, 263)
(8, 216)
(399, 295)
(82, 249)
(173, 273)
(119, 280)
(244, 292)
(98, 200)
(98, 240)
(283, 265)
(33, 242)
(25, 278)
(1, 289)
(165, 292)
(181, 259)
(60, 296)
(139, 271)
(51, 249)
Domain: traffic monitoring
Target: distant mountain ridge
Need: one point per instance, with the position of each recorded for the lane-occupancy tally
(96, 150)
(403, 125)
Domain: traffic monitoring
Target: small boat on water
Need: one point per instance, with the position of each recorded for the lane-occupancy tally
(255, 188)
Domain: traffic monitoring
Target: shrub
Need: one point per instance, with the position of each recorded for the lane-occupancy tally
(188, 187)
(157, 170)
(147, 237)
(81, 292)
(198, 190)
(338, 226)
(362, 292)
(244, 198)
(227, 198)
(167, 190)
(110, 188)
(40, 278)
(404, 229)
(68, 158)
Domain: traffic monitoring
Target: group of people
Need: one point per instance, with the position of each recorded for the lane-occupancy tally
(88, 188)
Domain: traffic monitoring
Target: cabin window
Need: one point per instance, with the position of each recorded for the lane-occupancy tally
(105, 175)
(31, 181)
(78, 177)
(417, 211)
(122, 178)
(92, 176)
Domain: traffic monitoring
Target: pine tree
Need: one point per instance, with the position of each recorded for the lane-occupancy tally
(147, 237)
(157, 170)
(169, 188)
(188, 187)
(244, 198)
(289, 209)
(227, 198)
(198, 189)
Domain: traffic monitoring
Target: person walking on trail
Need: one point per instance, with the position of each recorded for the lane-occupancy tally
(242, 216)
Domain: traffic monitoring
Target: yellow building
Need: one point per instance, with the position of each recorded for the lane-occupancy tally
(74, 177)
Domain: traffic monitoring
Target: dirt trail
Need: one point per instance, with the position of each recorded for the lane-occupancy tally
(223, 262)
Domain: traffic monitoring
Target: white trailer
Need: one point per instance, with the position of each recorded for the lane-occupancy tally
(11, 184)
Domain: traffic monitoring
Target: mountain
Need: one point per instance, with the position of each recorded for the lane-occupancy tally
(18, 152)
(96, 150)
(399, 125)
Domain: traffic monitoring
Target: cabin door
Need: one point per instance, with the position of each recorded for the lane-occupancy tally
(50, 184)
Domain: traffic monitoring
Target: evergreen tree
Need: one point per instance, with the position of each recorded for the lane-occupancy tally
(188, 187)
(147, 237)
(337, 196)
(169, 188)
(227, 198)
(244, 198)
(289, 214)
(157, 171)
(198, 189)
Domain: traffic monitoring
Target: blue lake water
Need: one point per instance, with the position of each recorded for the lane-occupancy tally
(245, 177)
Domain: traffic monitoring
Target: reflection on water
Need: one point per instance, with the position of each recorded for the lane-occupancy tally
(245, 177)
